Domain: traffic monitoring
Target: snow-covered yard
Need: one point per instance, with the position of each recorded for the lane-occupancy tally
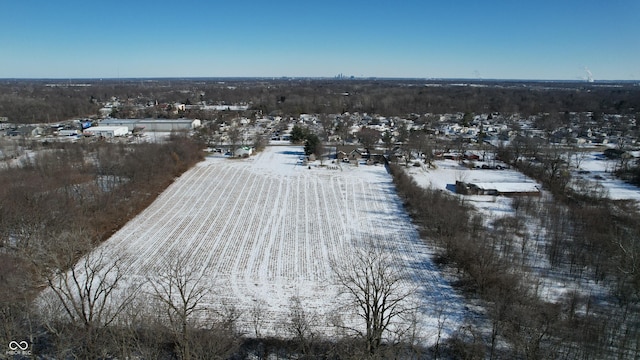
(265, 229)
(550, 282)
(595, 168)
(447, 172)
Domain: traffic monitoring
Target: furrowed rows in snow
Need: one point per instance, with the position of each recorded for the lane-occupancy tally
(266, 229)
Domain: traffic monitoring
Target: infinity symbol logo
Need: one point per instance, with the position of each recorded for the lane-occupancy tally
(22, 345)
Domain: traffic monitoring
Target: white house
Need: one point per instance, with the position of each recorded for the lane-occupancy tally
(243, 151)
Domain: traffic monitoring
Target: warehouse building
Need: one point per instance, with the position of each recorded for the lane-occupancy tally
(106, 131)
(154, 125)
(129, 123)
(166, 125)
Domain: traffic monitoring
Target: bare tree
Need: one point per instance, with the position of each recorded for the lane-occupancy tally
(260, 142)
(327, 123)
(368, 138)
(377, 291)
(579, 156)
(387, 139)
(320, 150)
(89, 293)
(16, 292)
(403, 133)
(300, 324)
(343, 130)
(180, 291)
(257, 316)
(418, 144)
(555, 166)
(234, 133)
(209, 133)
(460, 145)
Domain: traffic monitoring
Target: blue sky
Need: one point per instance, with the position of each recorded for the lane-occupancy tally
(503, 39)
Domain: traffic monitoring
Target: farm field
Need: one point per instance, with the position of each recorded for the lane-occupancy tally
(265, 229)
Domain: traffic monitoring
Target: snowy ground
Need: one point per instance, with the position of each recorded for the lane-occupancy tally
(597, 169)
(447, 172)
(268, 228)
(550, 283)
(594, 168)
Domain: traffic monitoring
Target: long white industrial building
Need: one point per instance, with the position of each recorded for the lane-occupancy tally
(106, 131)
(160, 125)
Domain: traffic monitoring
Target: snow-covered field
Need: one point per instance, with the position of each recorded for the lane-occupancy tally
(265, 229)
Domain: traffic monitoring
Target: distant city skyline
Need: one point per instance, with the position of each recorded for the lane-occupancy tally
(534, 40)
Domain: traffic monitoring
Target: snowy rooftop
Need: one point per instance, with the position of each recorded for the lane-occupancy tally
(509, 187)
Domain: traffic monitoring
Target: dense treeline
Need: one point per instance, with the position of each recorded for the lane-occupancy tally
(69, 184)
(33, 101)
(61, 202)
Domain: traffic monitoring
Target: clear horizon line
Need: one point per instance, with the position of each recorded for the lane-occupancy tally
(346, 78)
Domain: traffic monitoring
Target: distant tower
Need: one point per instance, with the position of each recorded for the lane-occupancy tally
(589, 75)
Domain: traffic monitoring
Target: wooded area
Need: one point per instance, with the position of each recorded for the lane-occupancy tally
(55, 207)
(24, 101)
(593, 239)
